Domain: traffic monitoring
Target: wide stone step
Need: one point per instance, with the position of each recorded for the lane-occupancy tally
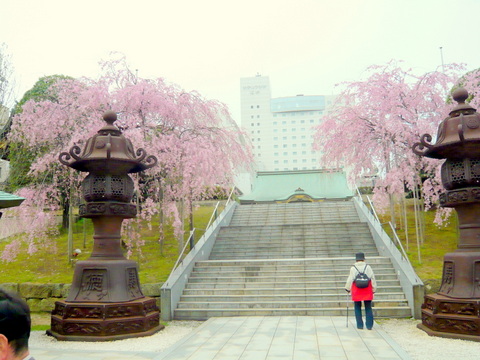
(282, 278)
(204, 314)
(286, 298)
(282, 291)
(273, 256)
(213, 272)
(286, 268)
(278, 284)
(282, 304)
(292, 243)
(312, 263)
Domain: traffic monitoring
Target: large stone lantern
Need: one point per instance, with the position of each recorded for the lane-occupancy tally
(455, 310)
(105, 301)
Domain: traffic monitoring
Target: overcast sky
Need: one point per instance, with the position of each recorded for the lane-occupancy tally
(304, 46)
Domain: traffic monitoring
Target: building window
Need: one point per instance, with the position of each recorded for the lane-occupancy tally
(304, 160)
(284, 130)
(294, 138)
(253, 124)
(284, 123)
(252, 116)
(284, 138)
(285, 161)
(285, 153)
(285, 146)
(258, 106)
(294, 129)
(311, 121)
(304, 145)
(275, 162)
(275, 146)
(294, 145)
(275, 130)
(294, 153)
(304, 153)
(275, 138)
(275, 154)
(258, 124)
(295, 168)
(303, 137)
(258, 116)
(302, 122)
(251, 106)
(274, 123)
(293, 122)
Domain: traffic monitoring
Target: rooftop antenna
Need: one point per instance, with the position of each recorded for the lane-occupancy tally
(441, 57)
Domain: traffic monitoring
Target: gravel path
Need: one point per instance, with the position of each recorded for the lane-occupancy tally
(416, 342)
(174, 331)
(420, 346)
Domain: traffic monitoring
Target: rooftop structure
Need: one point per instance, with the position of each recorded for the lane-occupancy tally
(281, 129)
(298, 186)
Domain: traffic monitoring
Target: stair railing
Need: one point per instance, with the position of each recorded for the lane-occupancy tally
(411, 283)
(395, 235)
(188, 242)
(191, 239)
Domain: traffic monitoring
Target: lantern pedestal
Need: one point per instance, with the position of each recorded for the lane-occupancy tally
(451, 317)
(95, 321)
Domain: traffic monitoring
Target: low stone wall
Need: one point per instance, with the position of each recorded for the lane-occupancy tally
(42, 297)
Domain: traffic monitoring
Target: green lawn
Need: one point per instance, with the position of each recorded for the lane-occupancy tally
(438, 241)
(50, 264)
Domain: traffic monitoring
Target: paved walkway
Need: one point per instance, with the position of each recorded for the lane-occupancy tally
(261, 338)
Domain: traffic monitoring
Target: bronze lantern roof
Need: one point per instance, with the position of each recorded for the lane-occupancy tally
(108, 152)
(458, 135)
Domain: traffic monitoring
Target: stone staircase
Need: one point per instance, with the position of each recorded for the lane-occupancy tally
(288, 259)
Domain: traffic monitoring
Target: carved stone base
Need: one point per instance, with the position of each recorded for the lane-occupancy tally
(90, 321)
(451, 317)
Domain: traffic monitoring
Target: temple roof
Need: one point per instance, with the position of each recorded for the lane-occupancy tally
(304, 185)
(8, 200)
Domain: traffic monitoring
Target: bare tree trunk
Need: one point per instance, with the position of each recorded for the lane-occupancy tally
(417, 225)
(404, 203)
(161, 225)
(392, 211)
(181, 240)
(70, 233)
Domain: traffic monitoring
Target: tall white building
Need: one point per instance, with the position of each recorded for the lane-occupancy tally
(281, 129)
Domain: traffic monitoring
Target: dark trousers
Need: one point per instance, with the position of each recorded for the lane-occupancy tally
(368, 314)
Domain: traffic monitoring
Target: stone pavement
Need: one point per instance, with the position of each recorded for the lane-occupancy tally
(260, 338)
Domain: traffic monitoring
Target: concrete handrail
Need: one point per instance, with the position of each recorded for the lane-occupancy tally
(412, 285)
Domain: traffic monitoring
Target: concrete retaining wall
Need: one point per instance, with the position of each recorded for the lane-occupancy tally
(42, 297)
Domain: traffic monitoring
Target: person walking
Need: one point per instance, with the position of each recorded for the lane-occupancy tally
(360, 294)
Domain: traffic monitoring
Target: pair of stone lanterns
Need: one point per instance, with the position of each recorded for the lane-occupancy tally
(455, 310)
(105, 301)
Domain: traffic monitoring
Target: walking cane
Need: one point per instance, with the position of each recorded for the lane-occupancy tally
(347, 307)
